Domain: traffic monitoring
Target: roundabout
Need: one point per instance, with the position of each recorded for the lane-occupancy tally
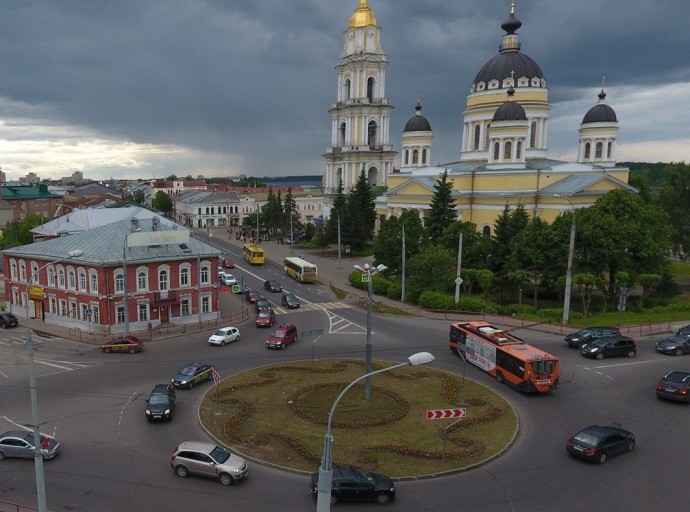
(278, 415)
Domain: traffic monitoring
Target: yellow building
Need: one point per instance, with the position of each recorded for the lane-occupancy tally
(503, 153)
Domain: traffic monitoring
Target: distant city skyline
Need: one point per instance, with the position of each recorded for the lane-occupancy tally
(140, 90)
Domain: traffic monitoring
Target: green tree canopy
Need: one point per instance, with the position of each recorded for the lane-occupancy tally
(442, 208)
(360, 214)
(162, 202)
(389, 242)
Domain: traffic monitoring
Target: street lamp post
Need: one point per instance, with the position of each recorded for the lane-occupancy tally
(124, 284)
(340, 264)
(569, 270)
(370, 272)
(323, 500)
(38, 456)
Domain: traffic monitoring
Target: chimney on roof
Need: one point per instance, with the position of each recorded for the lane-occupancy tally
(134, 224)
(155, 223)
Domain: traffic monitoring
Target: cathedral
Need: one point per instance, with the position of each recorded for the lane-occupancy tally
(503, 148)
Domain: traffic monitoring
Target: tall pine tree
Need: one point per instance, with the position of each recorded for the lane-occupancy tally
(357, 225)
(442, 210)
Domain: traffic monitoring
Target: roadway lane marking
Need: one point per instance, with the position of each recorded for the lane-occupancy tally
(338, 325)
(48, 363)
(625, 364)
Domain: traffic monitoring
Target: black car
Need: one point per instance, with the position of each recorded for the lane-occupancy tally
(273, 286)
(589, 334)
(8, 320)
(353, 484)
(674, 386)
(597, 443)
(192, 374)
(261, 303)
(684, 330)
(610, 346)
(161, 403)
(290, 301)
(677, 345)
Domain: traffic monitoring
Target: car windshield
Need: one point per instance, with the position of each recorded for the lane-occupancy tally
(677, 339)
(677, 376)
(583, 333)
(220, 332)
(158, 399)
(543, 367)
(220, 455)
(278, 334)
(587, 438)
(188, 370)
(290, 296)
(602, 342)
(264, 314)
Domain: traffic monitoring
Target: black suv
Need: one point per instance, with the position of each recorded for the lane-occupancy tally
(588, 334)
(8, 320)
(161, 403)
(289, 300)
(273, 286)
(354, 484)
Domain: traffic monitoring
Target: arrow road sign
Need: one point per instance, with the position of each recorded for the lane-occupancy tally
(440, 414)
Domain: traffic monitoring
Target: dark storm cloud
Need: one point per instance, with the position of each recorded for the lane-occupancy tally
(254, 79)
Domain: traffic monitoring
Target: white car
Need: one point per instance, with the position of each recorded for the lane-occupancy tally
(228, 278)
(224, 335)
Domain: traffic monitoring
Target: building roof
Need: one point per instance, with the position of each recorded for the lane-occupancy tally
(24, 192)
(600, 113)
(418, 123)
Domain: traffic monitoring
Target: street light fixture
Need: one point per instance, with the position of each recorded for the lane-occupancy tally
(370, 272)
(124, 285)
(38, 456)
(340, 264)
(569, 270)
(323, 500)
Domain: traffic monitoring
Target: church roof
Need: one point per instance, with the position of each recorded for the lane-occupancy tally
(511, 110)
(362, 17)
(418, 123)
(601, 112)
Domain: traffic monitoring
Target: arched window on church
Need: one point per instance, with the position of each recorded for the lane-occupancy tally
(508, 151)
(533, 135)
(477, 130)
(407, 156)
(518, 150)
(372, 134)
(608, 150)
(339, 175)
(346, 89)
(415, 157)
(599, 150)
(424, 162)
(486, 231)
(587, 150)
(371, 176)
(370, 89)
(486, 136)
(341, 135)
(496, 150)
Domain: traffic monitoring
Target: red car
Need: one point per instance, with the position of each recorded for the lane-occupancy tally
(251, 295)
(282, 336)
(126, 343)
(228, 263)
(265, 318)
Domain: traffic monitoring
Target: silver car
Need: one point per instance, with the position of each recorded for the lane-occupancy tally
(20, 443)
(207, 459)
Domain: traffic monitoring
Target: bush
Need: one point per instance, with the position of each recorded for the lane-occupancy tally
(379, 285)
(520, 310)
(436, 300)
(394, 290)
(470, 303)
(552, 315)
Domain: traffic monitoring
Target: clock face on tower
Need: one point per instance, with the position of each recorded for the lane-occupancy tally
(351, 35)
(371, 33)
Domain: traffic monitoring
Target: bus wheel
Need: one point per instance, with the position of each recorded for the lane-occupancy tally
(499, 377)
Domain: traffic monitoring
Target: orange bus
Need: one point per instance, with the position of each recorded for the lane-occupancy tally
(506, 357)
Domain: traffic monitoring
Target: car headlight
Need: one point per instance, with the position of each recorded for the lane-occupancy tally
(167, 411)
(183, 382)
(148, 412)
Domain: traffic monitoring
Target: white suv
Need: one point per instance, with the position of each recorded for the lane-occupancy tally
(207, 459)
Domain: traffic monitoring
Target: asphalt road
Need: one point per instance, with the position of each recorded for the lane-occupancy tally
(114, 460)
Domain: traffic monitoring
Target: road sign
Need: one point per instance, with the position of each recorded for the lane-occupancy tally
(458, 280)
(365, 277)
(442, 414)
(216, 376)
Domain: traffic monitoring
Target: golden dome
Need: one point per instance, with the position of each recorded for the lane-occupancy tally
(363, 16)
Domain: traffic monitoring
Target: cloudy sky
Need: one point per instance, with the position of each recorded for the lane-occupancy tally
(149, 88)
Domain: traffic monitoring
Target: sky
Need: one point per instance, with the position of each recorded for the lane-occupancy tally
(150, 88)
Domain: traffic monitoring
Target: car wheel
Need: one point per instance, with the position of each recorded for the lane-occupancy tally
(334, 500)
(632, 353)
(679, 352)
(382, 499)
(181, 471)
(225, 479)
(106, 350)
(2, 455)
(631, 445)
(602, 458)
(4, 326)
(222, 343)
(600, 355)
(238, 338)
(499, 377)
(132, 351)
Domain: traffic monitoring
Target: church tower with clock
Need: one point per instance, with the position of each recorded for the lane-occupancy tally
(360, 117)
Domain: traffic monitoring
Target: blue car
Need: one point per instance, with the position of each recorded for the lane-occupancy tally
(193, 374)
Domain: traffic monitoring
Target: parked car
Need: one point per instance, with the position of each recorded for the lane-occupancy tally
(8, 320)
(20, 443)
(685, 330)
(677, 345)
(265, 318)
(224, 335)
(228, 263)
(261, 303)
(251, 295)
(228, 279)
(610, 346)
(353, 484)
(161, 403)
(589, 334)
(273, 286)
(290, 301)
(674, 386)
(597, 443)
(282, 336)
(192, 374)
(127, 343)
(207, 459)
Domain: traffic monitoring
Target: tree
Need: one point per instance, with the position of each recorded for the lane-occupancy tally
(339, 205)
(291, 218)
(531, 252)
(139, 196)
(674, 198)
(18, 232)
(357, 228)
(162, 202)
(430, 269)
(442, 208)
(585, 284)
(648, 282)
(506, 228)
(388, 244)
(475, 246)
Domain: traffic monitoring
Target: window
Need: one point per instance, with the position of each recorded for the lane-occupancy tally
(204, 274)
(346, 91)
(371, 139)
(94, 282)
(599, 150)
(84, 311)
(424, 162)
(73, 309)
(587, 150)
(34, 273)
(407, 156)
(608, 150)
(486, 231)
(82, 281)
(119, 283)
(205, 304)
(61, 278)
(508, 151)
(53, 306)
(184, 277)
(518, 150)
(415, 157)
(185, 310)
(120, 314)
(51, 276)
(496, 150)
(477, 131)
(13, 270)
(370, 89)
(163, 280)
(22, 271)
(72, 278)
(96, 314)
(63, 307)
(533, 134)
(143, 311)
(141, 281)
